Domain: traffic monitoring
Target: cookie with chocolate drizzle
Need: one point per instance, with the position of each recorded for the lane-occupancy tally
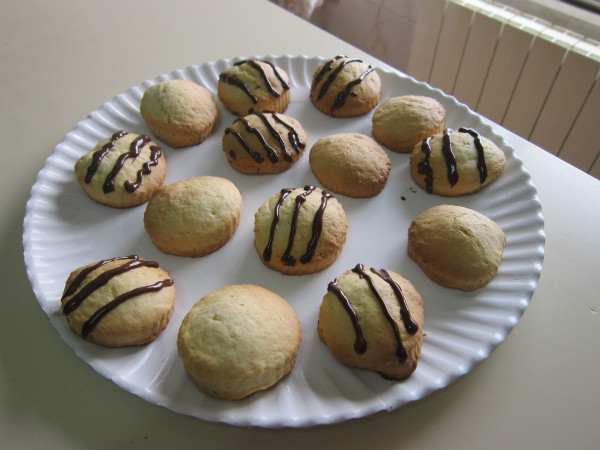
(254, 85)
(119, 302)
(345, 87)
(300, 230)
(373, 319)
(122, 170)
(264, 143)
(456, 162)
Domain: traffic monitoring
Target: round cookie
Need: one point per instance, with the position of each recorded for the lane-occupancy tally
(350, 164)
(401, 122)
(238, 340)
(454, 163)
(119, 302)
(193, 217)
(300, 231)
(456, 246)
(253, 85)
(122, 170)
(345, 87)
(264, 143)
(373, 319)
(179, 112)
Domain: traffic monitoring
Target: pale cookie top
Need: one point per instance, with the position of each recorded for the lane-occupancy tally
(456, 246)
(350, 164)
(401, 122)
(179, 112)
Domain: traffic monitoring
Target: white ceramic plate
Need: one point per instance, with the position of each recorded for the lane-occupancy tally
(64, 229)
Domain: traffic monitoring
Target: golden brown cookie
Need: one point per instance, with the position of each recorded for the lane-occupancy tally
(300, 231)
(122, 170)
(401, 122)
(193, 217)
(238, 340)
(345, 87)
(373, 319)
(119, 301)
(454, 163)
(179, 112)
(456, 246)
(253, 86)
(350, 164)
(264, 143)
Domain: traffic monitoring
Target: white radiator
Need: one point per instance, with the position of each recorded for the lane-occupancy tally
(533, 78)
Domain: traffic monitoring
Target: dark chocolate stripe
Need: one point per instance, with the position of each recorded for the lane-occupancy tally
(333, 75)
(155, 154)
(100, 154)
(481, 166)
(424, 166)
(400, 350)
(101, 280)
(95, 318)
(340, 99)
(287, 258)
(268, 249)
(360, 344)
(74, 285)
(451, 169)
(316, 229)
(135, 149)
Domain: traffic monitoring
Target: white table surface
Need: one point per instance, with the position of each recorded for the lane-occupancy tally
(62, 59)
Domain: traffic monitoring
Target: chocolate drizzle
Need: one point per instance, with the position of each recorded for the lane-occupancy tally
(95, 318)
(155, 154)
(236, 81)
(481, 166)
(340, 98)
(100, 154)
(269, 248)
(424, 166)
(287, 258)
(410, 325)
(75, 301)
(135, 148)
(360, 344)
(317, 226)
(294, 140)
(451, 169)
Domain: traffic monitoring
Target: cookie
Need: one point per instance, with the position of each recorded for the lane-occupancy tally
(179, 112)
(456, 246)
(350, 164)
(119, 302)
(373, 319)
(238, 340)
(454, 163)
(399, 123)
(193, 217)
(300, 231)
(345, 87)
(264, 143)
(122, 170)
(254, 85)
